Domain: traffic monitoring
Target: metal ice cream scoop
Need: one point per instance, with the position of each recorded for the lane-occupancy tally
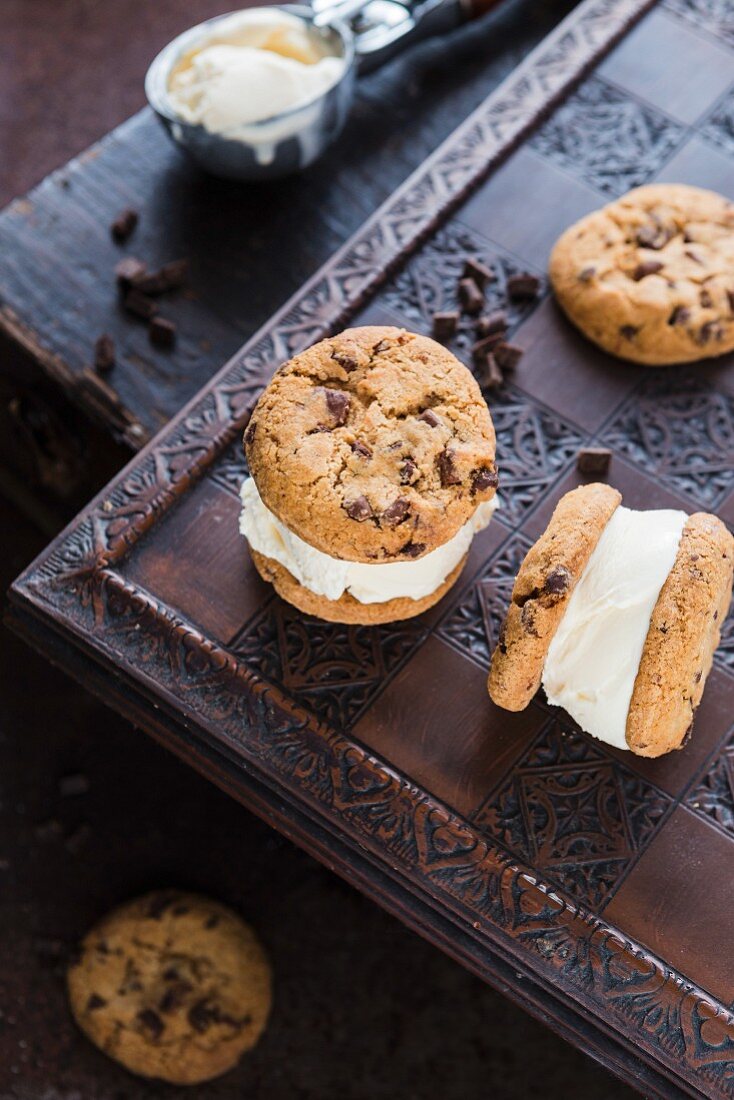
(362, 33)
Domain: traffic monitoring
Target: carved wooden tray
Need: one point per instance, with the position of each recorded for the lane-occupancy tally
(592, 886)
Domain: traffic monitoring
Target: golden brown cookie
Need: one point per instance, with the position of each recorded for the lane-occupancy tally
(542, 589)
(346, 609)
(173, 986)
(650, 277)
(374, 445)
(685, 629)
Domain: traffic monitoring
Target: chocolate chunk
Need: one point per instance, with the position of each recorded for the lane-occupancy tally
(345, 361)
(124, 224)
(586, 274)
(679, 316)
(159, 903)
(381, 345)
(493, 376)
(337, 402)
(129, 270)
(95, 1002)
(140, 304)
(693, 256)
(447, 469)
(628, 331)
(174, 997)
(413, 549)
(152, 1022)
(649, 267)
(508, 355)
(72, 785)
(527, 619)
(212, 921)
(730, 300)
(396, 512)
(429, 417)
(479, 272)
(482, 348)
(492, 324)
(593, 460)
(558, 581)
(104, 353)
(705, 299)
(710, 330)
(250, 432)
(523, 287)
(169, 277)
(470, 296)
(654, 236)
(486, 477)
(445, 323)
(162, 332)
(361, 449)
(408, 472)
(203, 1014)
(359, 509)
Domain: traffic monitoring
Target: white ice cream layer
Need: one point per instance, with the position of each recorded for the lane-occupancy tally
(593, 660)
(257, 65)
(332, 577)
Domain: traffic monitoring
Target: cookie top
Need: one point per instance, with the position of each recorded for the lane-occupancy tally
(685, 629)
(545, 581)
(373, 445)
(171, 985)
(650, 277)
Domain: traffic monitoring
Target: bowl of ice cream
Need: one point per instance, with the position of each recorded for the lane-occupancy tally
(254, 94)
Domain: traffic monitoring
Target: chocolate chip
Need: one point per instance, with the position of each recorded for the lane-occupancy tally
(212, 921)
(709, 330)
(129, 270)
(381, 345)
(104, 353)
(140, 304)
(492, 324)
(649, 267)
(470, 296)
(337, 402)
(445, 324)
(705, 299)
(558, 581)
(697, 677)
(527, 619)
(508, 355)
(479, 272)
(493, 376)
(486, 477)
(361, 449)
(693, 256)
(359, 509)
(523, 287)
(628, 331)
(169, 277)
(174, 997)
(730, 300)
(396, 512)
(124, 225)
(95, 1002)
(162, 332)
(413, 549)
(250, 432)
(408, 472)
(593, 460)
(654, 236)
(429, 417)
(152, 1022)
(72, 785)
(346, 362)
(586, 274)
(159, 903)
(679, 316)
(447, 469)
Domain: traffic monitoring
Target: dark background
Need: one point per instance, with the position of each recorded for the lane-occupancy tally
(363, 1008)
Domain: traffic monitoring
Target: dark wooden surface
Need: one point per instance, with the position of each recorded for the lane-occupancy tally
(150, 597)
(250, 247)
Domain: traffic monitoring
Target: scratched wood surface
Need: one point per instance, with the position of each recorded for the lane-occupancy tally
(590, 885)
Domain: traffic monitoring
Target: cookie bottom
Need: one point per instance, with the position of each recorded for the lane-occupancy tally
(346, 609)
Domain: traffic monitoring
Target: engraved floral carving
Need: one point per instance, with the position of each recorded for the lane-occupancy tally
(713, 796)
(680, 430)
(607, 138)
(574, 813)
(719, 126)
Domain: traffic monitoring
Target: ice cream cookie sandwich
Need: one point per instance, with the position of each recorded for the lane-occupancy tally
(617, 613)
(372, 457)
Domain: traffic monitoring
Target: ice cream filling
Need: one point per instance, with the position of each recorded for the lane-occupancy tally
(366, 582)
(594, 658)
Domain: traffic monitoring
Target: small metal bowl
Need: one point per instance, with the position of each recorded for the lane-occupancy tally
(273, 147)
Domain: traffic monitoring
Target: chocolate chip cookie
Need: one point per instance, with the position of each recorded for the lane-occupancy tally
(173, 986)
(650, 277)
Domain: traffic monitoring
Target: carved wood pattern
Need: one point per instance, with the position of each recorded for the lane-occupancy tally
(79, 585)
